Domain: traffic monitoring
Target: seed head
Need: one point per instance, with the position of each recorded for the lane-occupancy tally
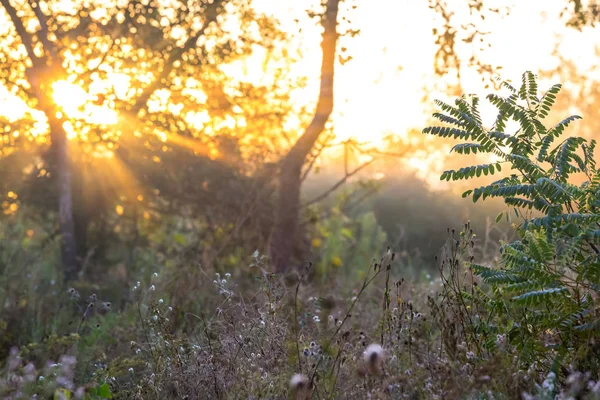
(373, 358)
(299, 386)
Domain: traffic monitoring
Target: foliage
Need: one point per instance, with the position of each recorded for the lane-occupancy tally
(344, 241)
(546, 291)
(247, 332)
(160, 122)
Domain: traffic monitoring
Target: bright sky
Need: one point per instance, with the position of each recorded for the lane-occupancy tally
(380, 90)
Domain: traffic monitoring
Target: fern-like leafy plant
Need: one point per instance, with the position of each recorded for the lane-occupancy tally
(547, 286)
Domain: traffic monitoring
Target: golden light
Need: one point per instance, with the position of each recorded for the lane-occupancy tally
(379, 92)
(68, 96)
(103, 152)
(77, 104)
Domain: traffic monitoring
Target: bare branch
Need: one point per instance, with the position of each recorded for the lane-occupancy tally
(339, 183)
(112, 44)
(176, 55)
(319, 151)
(26, 38)
(43, 34)
(28, 91)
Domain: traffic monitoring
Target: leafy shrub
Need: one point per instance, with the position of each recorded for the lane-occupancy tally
(546, 289)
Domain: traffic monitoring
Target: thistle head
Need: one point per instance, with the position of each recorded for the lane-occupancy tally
(300, 387)
(373, 358)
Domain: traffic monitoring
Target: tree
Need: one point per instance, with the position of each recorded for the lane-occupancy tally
(290, 177)
(165, 60)
(44, 66)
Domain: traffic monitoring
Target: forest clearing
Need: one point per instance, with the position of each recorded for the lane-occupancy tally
(299, 199)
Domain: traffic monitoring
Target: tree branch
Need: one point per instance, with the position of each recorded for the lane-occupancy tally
(339, 183)
(43, 35)
(325, 101)
(312, 162)
(26, 38)
(176, 55)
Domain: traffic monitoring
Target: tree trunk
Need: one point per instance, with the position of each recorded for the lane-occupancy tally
(290, 178)
(39, 76)
(63, 171)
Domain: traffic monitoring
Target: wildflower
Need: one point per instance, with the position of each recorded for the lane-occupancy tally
(155, 274)
(336, 262)
(29, 371)
(152, 288)
(170, 308)
(131, 370)
(299, 385)
(160, 301)
(548, 383)
(155, 317)
(373, 358)
(316, 318)
(501, 341)
(227, 275)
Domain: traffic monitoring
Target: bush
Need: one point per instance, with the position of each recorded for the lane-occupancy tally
(545, 293)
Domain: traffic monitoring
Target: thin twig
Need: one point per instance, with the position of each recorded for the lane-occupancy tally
(339, 183)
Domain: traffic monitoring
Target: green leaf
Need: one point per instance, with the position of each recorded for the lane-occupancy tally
(537, 297)
(179, 238)
(104, 391)
(62, 394)
(499, 217)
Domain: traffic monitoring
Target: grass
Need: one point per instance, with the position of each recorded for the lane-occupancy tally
(287, 337)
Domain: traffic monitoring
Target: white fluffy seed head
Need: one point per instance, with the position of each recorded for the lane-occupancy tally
(373, 358)
(299, 385)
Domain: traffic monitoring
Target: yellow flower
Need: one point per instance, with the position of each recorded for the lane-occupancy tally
(336, 262)
(316, 243)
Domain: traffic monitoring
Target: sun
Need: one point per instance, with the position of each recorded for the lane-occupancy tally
(68, 96)
(79, 104)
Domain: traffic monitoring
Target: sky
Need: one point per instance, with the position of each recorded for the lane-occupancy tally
(380, 90)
